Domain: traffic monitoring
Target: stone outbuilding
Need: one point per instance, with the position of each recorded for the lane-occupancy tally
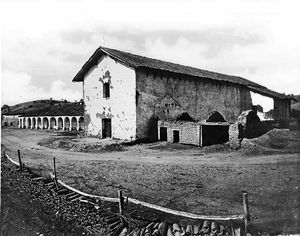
(125, 94)
(195, 133)
(183, 130)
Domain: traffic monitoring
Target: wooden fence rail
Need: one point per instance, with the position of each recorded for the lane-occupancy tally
(120, 200)
(20, 161)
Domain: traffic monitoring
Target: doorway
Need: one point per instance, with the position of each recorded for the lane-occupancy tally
(106, 128)
(175, 136)
(163, 133)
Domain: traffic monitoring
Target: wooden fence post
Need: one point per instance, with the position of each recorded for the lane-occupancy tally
(54, 172)
(121, 202)
(246, 212)
(20, 161)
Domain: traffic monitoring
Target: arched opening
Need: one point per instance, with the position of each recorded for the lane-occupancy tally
(59, 123)
(67, 123)
(39, 123)
(24, 123)
(73, 123)
(52, 123)
(215, 131)
(81, 123)
(184, 117)
(33, 122)
(20, 123)
(215, 117)
(28, 123)
(5, 123)
(11, 124)
(45, 123)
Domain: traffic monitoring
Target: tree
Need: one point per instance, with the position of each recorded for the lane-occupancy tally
(5, 108)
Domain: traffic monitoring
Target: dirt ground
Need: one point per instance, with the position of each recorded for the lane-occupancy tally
(192, 179)
(25, 215)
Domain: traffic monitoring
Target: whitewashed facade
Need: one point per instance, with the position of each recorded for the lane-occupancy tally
(10, 120)
(109, 92)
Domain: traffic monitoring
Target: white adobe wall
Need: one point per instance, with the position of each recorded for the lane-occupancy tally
(120, 107)
(8, 119)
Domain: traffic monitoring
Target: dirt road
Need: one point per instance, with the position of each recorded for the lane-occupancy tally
(192, 179)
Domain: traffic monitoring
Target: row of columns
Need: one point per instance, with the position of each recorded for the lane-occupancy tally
(52, 122)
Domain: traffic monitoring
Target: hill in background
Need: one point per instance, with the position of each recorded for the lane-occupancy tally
(44, 107)
(297, 97)
(58, 109)
(296, 104)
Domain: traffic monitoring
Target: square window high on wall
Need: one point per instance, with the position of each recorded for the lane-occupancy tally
(106, 92)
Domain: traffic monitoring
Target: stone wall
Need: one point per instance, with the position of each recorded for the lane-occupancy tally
(234, 139)
(249, 124)
(164, 95)
(189, 132)
(282, 109)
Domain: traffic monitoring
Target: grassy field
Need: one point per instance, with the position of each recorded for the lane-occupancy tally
(192, 179)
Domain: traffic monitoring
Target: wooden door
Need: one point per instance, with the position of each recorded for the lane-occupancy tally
(163, 134)
(106, 128)
(175, 136)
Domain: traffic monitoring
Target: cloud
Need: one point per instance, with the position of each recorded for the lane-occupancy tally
(264, 60)
(216, 39)
(19, 88)
(76, 36)
(48, 41)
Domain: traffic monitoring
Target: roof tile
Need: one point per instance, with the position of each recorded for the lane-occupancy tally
(137, 61)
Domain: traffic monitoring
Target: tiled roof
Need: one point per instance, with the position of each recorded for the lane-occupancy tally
(270, 93)
(12, 113)
(137, 61)
(67, 109)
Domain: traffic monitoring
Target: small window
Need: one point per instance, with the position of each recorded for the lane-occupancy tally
(106, 92)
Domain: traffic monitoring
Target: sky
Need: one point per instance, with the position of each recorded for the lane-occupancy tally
(44, 43)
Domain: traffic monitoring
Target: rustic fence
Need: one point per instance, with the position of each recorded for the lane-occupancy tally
(242, 228)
